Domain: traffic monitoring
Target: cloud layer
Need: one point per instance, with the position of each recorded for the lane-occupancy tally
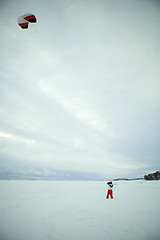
(80, 89)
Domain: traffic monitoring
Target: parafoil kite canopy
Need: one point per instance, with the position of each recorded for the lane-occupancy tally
(24, 20)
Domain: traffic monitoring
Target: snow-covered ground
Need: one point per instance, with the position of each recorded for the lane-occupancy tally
(58, 210)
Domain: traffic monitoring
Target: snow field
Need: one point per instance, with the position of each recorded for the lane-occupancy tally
(69, 210)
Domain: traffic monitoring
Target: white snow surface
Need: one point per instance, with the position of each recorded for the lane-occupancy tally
(76, 210)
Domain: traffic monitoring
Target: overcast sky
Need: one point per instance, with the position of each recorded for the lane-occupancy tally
(80, 89)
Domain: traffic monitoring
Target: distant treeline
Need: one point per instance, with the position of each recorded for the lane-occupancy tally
(127, 179)
(152, 176)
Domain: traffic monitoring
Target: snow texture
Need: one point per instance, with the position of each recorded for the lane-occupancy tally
(58, 210)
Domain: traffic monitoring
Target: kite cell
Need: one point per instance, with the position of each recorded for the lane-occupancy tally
(24, 20)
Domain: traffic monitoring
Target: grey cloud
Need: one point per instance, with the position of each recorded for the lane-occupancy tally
(80, 89)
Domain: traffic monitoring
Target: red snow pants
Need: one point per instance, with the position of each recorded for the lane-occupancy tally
(109, 193)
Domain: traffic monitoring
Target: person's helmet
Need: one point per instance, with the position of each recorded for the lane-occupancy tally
(109, 182)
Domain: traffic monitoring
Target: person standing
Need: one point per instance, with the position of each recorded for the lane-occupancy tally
(110, 192)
